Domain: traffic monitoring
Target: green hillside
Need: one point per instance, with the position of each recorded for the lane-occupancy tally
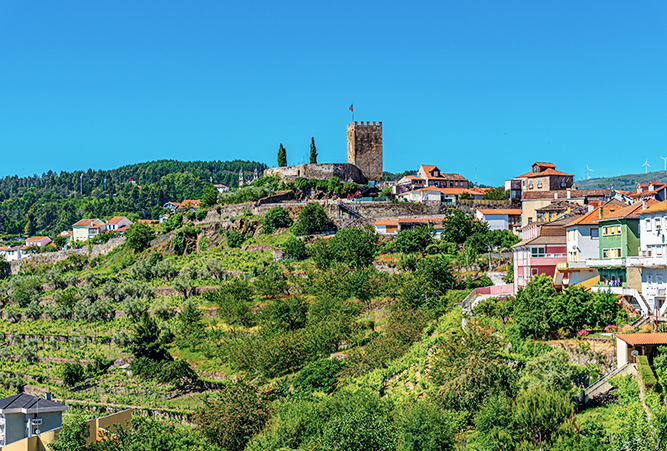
(626, 182)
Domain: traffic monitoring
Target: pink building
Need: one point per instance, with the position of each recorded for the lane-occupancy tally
(38, 241)
(542, 248)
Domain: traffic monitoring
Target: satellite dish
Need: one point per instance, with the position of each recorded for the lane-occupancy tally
(634, 353)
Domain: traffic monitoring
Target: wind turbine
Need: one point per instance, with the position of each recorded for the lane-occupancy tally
(588, 171)
(647, 166)
(665, 158)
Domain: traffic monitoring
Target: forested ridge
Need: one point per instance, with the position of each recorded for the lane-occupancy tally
(51, 202)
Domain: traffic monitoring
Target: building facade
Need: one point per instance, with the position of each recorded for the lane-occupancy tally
(364, 148)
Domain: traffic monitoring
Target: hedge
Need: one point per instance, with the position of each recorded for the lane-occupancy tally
(648, 378)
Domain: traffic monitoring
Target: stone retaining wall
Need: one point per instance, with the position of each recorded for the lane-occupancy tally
(55, 257)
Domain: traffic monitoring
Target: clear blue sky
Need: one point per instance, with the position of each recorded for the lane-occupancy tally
(464, 85)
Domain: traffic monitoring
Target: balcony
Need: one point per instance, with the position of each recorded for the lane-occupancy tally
(562, 266)
(647, 262)
(605, 262)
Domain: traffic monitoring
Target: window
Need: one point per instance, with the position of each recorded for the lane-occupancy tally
(658, 224)
(530, 220)
(611, 230)
(537, 252)
(649, 279)
(563, 184)
(611, 253)
(530, 185)
(648, 225)
(539, 183)
(524, 183)
(534, 272)
(595, 234)
(659, 279)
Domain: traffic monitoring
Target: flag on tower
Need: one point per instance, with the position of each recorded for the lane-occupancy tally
(351, 108)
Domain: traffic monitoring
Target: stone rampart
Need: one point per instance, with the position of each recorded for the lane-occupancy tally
(55, 257)
(346, 172)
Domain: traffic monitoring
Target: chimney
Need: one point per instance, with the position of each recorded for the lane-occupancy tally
(555, 194)
(47, 395)
(569, 194)
(600, 213)
(644, 205)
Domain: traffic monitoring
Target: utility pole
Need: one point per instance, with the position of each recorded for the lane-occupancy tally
(81, 184)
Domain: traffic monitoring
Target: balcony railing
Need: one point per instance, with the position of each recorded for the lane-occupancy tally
(605, 262)
(647, 262)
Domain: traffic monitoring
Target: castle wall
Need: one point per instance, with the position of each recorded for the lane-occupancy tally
(364, 148)
(344, 171)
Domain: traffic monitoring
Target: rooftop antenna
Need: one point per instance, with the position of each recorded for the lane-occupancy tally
(81, 184)
(588, 171)
(665, 158)
(646, 165)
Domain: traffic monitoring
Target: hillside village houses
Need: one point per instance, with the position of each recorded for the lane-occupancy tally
(500, 218)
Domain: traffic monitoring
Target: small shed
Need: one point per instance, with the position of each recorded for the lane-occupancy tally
(644, 344)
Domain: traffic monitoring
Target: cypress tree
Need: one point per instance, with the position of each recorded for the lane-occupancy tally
(282, 156)
(313, 151)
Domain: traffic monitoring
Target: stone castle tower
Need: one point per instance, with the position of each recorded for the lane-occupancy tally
(364, 148)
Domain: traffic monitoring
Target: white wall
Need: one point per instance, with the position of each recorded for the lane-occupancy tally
(496, 222)
(579, 238)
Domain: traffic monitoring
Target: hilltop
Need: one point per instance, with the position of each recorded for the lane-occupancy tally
(626, 182)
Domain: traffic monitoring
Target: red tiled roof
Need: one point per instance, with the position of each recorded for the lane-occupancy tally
(190, 203)
(562, 194)
(36, 238)
(644, 339)
(414, 177)
(499, 211)
(548, 171)
(654, 208)
(544, 165)
(631, 211)
(592, 216)
(115, 219)
(86, 222)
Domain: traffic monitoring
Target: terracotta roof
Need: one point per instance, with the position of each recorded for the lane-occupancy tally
(115, 219)
(655, 208)
(562, 194)
(499, 211)
(454, 191)
(86, 222)
(36, 238)
(593, 215)
(548, 171)
(428, 167)
(190, 203)
(409, 220)
(631, 211)
(522, 176)
(544, 165)
(414, 177)
(543, 239)
(66, 233)
(644, 339)
(559, 205)
(147, 221)
(122, 229)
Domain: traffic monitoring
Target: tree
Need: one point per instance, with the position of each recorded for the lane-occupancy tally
(437, 272)
(355, 247)
(288, 313)
(235, 239)
(320, 375)
(458, 226)
(497, 194)
(313, 151)
(72, 373)
(313, 218)
(233, 301)
(209, 198)
(138, 236)
(189, 322)
(295, 248)
(282, 156)
(234, 418)
(541, 411)
(531, 307)
(147, 341)
(426, 427)
(276, 218)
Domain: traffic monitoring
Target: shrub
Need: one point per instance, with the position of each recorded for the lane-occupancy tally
(235, 239)
(648, 378)
(355, 247)
(234, 418)
(321, 375)
(276, 218)
(138, 236)
(72, 373)
(313, 218)
(295, 248)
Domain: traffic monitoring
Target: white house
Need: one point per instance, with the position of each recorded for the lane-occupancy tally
(12, 253)
(395, 225)
(499, 218)
(117, 222)
(87, 229)
(652, 259)
(443, 195)
(221, 188)
(38, 241)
